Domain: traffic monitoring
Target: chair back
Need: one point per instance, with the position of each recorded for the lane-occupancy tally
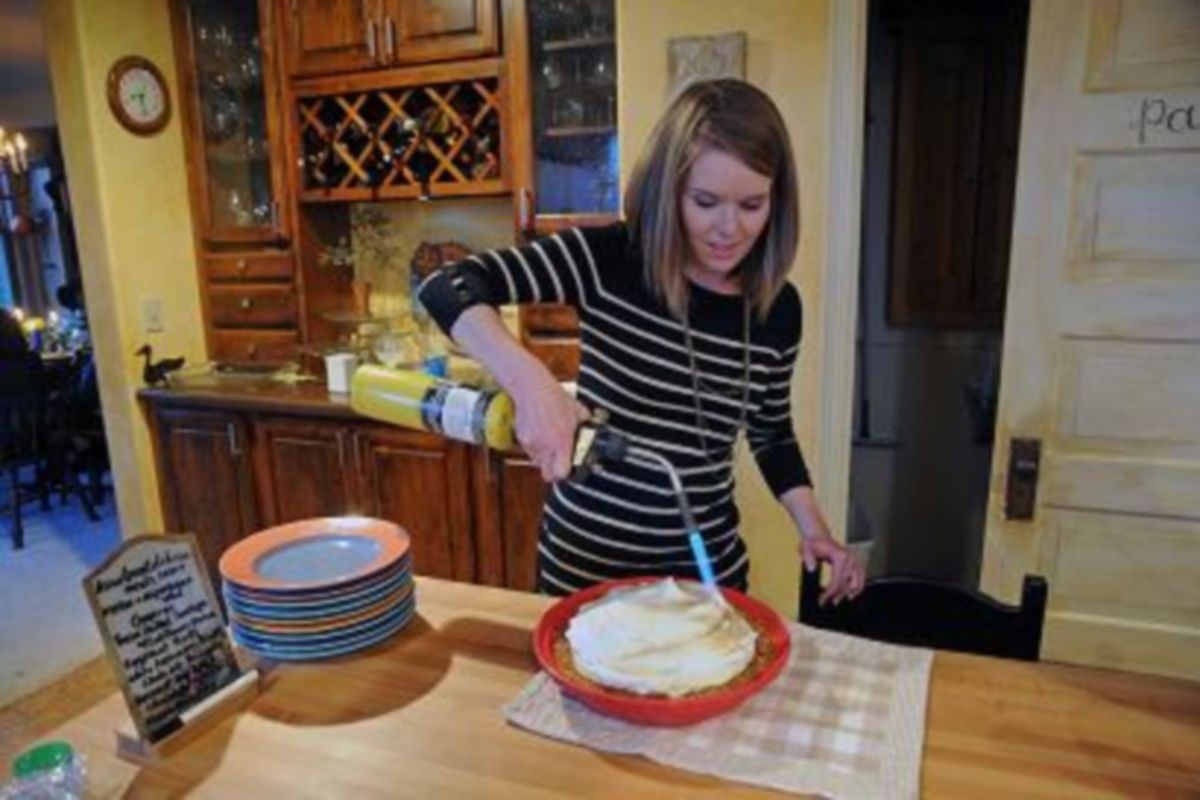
(22, 409)
(926, 613)
(75, 401)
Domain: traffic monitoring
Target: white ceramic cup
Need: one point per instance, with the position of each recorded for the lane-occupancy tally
(339, 371)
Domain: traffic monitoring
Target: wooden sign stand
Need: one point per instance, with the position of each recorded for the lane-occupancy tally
(196, 721)
(165, 636)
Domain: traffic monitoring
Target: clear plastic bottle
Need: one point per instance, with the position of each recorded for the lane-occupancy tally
(47, 771)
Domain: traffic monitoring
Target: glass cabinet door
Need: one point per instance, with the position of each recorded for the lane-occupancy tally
(233, 121)
(573, 61)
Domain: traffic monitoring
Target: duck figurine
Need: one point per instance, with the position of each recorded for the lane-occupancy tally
(154, 373)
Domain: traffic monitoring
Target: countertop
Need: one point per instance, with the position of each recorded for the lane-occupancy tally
(420, 716)
(250, 391)
(273, 392)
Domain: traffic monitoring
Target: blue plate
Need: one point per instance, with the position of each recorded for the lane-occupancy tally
(251, 620)
(283, 653)
(322, 638)
(268, 616)
(322, 558)
(323, 594)
(316, 610)
(288, 654)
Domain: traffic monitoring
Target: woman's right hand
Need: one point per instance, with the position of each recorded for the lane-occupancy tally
(547, 417)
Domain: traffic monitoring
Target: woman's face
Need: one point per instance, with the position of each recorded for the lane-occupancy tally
(725, 208)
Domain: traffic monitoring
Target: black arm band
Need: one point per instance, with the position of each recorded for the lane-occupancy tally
(450, 291)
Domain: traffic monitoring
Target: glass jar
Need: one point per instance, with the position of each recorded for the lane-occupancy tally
(396, 345)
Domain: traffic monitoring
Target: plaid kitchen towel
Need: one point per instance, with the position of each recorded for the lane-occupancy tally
(845, 718)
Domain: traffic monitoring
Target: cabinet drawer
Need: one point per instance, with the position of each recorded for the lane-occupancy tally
(548, 319)
(254, 347)
(561, 356)
(252, 306)
(249, 267)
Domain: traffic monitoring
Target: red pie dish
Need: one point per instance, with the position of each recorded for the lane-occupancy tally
(553, 653)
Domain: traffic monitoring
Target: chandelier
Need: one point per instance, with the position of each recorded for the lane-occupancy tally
(13, 152)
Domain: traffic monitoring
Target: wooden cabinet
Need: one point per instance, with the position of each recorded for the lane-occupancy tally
(232, 112)
(572, 108)
(440, 30)
(310, 467)
(205, 478)
(241, 268)
(233, 462)
(565, 87)
(521, 494)
(421, 482)
(238, 346)
(303, 468)
(327, 37)
(330, 36)
(427, 131)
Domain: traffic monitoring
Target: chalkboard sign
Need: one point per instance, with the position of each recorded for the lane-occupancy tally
(162, 628)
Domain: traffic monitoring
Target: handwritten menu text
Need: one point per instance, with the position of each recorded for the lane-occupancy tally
(162, 627)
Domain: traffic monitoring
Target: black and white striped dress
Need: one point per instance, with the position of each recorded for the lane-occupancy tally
(624, 520)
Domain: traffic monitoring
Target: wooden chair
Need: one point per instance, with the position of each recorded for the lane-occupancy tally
(926, 613)
(22, 435)
(76, 435)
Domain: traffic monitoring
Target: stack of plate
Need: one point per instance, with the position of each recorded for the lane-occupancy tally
(318, 588)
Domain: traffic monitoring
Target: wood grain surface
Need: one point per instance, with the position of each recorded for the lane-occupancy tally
(421, 717)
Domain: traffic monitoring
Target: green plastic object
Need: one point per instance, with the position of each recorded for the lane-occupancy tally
(42, 758)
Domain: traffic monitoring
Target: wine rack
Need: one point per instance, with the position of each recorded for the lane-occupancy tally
(401, 142)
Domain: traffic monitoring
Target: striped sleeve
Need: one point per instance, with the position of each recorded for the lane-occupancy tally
(769, 431)
(554, 269)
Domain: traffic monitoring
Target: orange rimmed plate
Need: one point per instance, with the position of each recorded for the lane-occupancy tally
(653, 709)
(324, 624)
(322, 597)
(314, 554)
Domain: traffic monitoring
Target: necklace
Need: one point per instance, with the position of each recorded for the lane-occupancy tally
(701, 425)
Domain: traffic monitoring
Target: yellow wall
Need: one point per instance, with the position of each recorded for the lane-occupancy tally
(133, 224)
(787, 57)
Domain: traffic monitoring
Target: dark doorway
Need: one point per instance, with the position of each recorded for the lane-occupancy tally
(944, 82)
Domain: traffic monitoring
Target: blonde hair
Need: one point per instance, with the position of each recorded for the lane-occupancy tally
(739, 119)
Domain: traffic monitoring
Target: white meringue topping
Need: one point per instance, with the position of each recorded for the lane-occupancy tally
(660, 638)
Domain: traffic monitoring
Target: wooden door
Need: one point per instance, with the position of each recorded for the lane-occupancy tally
(419, 31)
(205, 480)
(957, 128)
(1102, 336)
(331, 36)
(304, 468)
(509, 494)
(420, 482)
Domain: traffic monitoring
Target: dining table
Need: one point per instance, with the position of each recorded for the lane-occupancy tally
(420, 716)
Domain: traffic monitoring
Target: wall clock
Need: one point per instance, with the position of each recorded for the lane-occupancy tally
(137, 95)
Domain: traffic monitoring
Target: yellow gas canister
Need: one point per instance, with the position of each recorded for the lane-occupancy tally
(413, 399)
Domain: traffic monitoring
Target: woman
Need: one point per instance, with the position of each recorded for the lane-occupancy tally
(690, 332)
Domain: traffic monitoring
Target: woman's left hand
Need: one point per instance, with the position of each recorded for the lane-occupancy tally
(847, 573)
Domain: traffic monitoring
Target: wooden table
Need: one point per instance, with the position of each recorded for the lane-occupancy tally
(420, 717)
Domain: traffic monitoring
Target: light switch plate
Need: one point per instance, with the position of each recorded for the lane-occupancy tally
(152, 314)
